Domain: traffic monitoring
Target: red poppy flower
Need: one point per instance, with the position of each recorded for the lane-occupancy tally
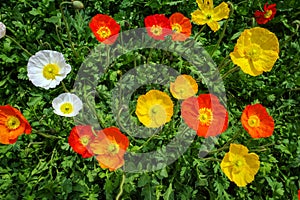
(105, 28)
(205, 114)
(257, 122)
(181, 27)
(80, 138)
(110, 146)
(12, 124)
(158, 26)
(298, 194)
(265, 16)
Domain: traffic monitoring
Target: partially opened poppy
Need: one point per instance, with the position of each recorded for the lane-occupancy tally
(67, 105)
(158, 26)
(154, 109)
(205, 114)
(265, 16)
(207, 14)
(109, 148)
(184, 87)
(239, 165)
(257, 122)
(12, 124)
(181, 27)
(80, 138)
(256, 51)
(105, 28)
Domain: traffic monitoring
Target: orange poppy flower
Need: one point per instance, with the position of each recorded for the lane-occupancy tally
(12, 124)
(184, 87)
(105, 28)
(257, 122)
(205, 114)
(80, 138)
(265, 16)
(110, 146)
(181, 27)
(158, 26)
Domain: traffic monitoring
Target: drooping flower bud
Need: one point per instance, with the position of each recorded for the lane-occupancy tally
(78, 4)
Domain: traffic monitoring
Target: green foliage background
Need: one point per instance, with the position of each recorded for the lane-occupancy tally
(43, 166)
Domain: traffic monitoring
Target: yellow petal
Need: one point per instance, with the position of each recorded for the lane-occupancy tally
(266, 61)
(221, 12)
(205, 4)
(214, 25)
(264, 38)
(198, 17)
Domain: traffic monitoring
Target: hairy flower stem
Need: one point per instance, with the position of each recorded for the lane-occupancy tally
(17, 43)
(223, 63)
(236, 68)
(225, 146)
(198, 34)
(223, 32)
(64, 87)
(47, 135)
(121, 187)
(67, 27)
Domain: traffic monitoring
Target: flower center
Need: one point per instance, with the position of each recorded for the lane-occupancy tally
(104, 32)
(156, 109)
(268, 14)
(253, 121)
(85, 140)
(208, 17)
(157, 115)
(156, 30)
(66, 108)
(13, 123)
(205, 116)
(238, 163)
(253, 52)
(176, 28)
(50, 71)
(113, 148)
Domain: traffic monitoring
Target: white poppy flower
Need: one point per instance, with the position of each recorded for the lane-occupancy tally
(47, 68)
(2, 30)
(67, 105)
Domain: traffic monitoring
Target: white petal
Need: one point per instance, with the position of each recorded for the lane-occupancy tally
(2, 30)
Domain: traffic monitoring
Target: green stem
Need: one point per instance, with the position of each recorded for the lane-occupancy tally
(67, 26)
(236, 68)
(47, 135)
(223, 63)
(223, 32)
(211, 159)
(225, 146)
(17, 43)
(121, 187)
(198, 34)
(64, 87)
(121, 124)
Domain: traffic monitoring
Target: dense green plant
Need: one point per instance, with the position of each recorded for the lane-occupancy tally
(43, 166)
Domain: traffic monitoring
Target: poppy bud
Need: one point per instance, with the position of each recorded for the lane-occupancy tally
(78, 4)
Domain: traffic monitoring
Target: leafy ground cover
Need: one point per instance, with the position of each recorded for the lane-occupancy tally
(42, 165)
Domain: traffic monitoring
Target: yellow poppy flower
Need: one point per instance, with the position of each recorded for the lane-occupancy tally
(154, 109)
(183, 87)
(256, 51)
(239, 165)
(207, 14)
